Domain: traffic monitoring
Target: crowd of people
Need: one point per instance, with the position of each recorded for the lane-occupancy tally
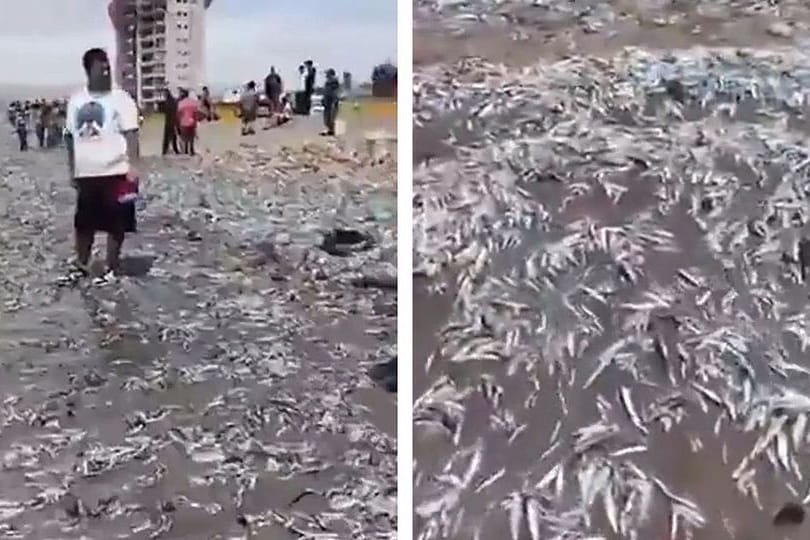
(103, 155)
(183, 111)
(281, 108)
(46, 118)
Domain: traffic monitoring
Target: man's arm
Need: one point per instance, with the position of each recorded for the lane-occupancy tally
(69, 142)
(133, 147)
(130, 129)
(71, 156)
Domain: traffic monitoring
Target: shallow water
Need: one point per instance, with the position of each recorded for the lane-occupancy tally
(218, 390)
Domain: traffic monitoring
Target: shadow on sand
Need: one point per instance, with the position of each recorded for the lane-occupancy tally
(137, 265)
(131, 266)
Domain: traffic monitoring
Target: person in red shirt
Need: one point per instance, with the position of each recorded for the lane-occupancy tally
(187, 116)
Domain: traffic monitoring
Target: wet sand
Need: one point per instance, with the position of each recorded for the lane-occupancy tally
(700, 474)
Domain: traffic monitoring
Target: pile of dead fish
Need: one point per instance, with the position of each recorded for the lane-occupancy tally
(626, 246)
(337, 159)
(591, 16)
(459, 14)
(208, 393)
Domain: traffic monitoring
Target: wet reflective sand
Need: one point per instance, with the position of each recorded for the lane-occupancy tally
(220, 388)
(518, 406)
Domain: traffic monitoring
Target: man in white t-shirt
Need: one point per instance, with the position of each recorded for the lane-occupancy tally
(103, 153)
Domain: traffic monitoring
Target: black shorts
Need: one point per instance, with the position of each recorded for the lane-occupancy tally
(98, 209)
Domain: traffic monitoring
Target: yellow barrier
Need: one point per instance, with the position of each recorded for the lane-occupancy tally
(379, 108)
(228, 112)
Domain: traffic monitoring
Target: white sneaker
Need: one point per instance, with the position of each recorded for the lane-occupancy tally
(108, 277)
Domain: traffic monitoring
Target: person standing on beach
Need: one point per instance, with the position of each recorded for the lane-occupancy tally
(34, 122)
(103, 155)
(302, 78)
(43, 123)
(331, 101)
(249, 108)
(187, 111)
(309, 85)
(273, 89)
(21, 128)
(299, 98)
(39, 126)
(54, 129)
(208, 105)
(169, 109)
(60, 120)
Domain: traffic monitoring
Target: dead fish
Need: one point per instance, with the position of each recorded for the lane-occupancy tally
(699, 244)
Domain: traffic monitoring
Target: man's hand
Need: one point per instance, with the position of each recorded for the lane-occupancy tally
(133, 175)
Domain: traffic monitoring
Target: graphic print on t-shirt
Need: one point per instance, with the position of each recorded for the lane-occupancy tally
(90, 120)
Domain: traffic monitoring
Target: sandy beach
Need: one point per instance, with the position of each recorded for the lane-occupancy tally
(221, 387)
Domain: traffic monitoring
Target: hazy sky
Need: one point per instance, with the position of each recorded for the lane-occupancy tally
(41, 41)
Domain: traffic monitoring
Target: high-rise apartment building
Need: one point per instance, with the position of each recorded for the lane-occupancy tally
(159, 44)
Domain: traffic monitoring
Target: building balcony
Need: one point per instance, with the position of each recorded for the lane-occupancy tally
(151, 34)
(152, 81)
(151, 25)
(153, 60)
(157, 44)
